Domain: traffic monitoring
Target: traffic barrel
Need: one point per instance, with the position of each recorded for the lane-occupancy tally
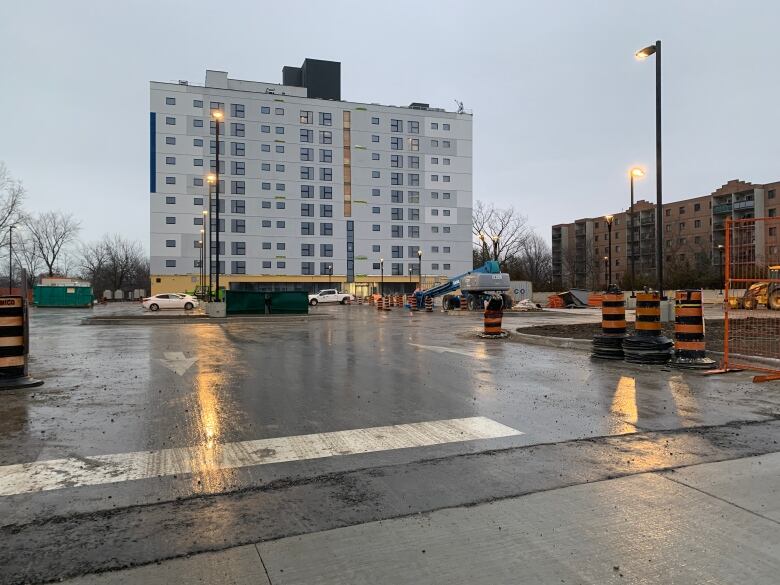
(647, 345)
(464, 303)
(379, 302)
(14, 344)
(609, 344)
(387, 303)
(429, 304)
(494, 312)
(689, 351)
(412, 302)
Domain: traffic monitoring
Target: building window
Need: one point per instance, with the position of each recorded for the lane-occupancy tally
(397, 269)
(307, 268)
(238, 248)
(435, 212)
(197, 182)
(197, 162)
(170, 200)
(326, 155)
(682, 209)
(238, 187)
(307, 228)
(170, 220)
(170, 140)
(697, 223)
(397, 251)
(696, 207)
(280, 205)
(265, 147)
(237, 110)
(197, 103)
(197, 200)
(772, 212)
(396, 125)
(770, 194)
(326, 174)
(265, 223)
(307, 154)
(279, 148)
(446, 213)
(280, 187)
(435, 249)
(238, 167)
(435, 229)
(396, 143)
(445, 143)
(197, 142)
(307, 249)
(326, 229)
(306, 117)
(265, 129)
(376, 248)
(434, 143)
(397, 231)
(413, 231)
(374, 156)
(170, 180)
(414, 196)
(375, 138)
(397, 213)
(170, 160)
(326, 119)
(307, 135)
(376, 227)
(376, 266)
(307, 210)
(435, 178)
(326, 192)
(375, 121)
(396, 178)
(446, 178)
(237, 148)
(238, 267)
(238, 226)
(397, 161)
(668, 212)
(396, 196)
(170, 263)
(446, 195)
(414, 180)
(265, 204)
(414, 214)
(197, 221)
(279, 130)
(326, 210)
(326, 250)
(170, 121)
(281, 246)
(375, 210)
(170, 243)
(375, 174)
(414, 162)
(413, 127)
(773, 231)
(307, 191)
(376, 192)
(238, 206)
(280, 224)
(326, 137)
(414, 144)
(446, 266)
(279, 111)
(307, 173)
(265, 110)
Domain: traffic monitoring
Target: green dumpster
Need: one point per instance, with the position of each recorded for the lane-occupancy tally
(240, 302)
(62, 296)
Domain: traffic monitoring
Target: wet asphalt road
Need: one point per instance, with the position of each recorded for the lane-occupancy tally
(121, 389)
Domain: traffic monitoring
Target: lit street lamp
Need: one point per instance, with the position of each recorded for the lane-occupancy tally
(610, 219)
(659, 261)
(606, 268)
(721, 250)
(638, 173)
(330, 274)
(202, 260)
(410, 275)
(207, 226)
(217, 115)
(419, 265)
(382, 277)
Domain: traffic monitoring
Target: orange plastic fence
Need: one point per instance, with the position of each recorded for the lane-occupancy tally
(595, 299)
(555, 302)
(751, 338)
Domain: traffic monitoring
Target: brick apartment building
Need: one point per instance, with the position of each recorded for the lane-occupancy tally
(693, 229)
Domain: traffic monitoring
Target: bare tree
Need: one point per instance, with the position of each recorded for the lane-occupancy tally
(505, 226)
(124, 259)
(53, 232)
(92, 259)
(12, 195)
(27, 256)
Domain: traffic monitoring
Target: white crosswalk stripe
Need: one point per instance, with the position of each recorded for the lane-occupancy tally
(104, 469)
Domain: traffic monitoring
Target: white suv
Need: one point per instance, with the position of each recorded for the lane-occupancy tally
(330, 295)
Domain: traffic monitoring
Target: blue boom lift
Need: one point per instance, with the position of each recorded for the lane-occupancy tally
(477, 286)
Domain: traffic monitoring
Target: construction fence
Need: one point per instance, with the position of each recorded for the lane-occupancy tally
(752, 291)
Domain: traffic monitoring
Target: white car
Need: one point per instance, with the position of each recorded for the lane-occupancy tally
(330, 295)
(170, 301)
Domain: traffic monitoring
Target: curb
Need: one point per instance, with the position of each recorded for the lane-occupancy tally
(189, 320)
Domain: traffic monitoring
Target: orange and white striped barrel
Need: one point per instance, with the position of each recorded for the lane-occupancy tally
(464, 303)
(429, 304)
(613, 313)
(14, 344)
(494, 312)
(648, 314)
(412, 302)
(688, 324)
(379, 302)
(387, 303)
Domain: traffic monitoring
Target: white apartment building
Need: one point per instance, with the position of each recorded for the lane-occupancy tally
(313, 189)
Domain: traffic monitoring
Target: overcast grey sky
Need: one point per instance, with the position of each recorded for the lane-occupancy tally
(561, 107)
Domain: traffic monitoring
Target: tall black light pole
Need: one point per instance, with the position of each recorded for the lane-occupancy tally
(382, 277)
(202, 251)
(636, 172)
(610, 219)
(659, 210)
(410, 275)
(217, 117)
(606, 268)
(10, 258)
(721, 249)
(209, 235)
(330, 274)
(419, 265)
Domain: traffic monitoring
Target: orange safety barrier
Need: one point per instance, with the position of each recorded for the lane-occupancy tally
(689, 349)
(648, 313)
(555, 302)
(464, 303)
(14, 344)
(412, 302)
(613, 313)
(494, 312)
(751, 338)
(595, 299)
(429, 304)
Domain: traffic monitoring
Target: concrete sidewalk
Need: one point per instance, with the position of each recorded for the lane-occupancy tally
(710, 523)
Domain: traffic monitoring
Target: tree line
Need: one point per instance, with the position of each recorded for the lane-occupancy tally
(47, 244)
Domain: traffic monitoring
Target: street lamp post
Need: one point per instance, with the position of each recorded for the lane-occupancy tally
(606, 268)
(217, 114)
(419, 265)
(382, 276)
(410, 275)
(659, 262)
(638, 173)
(202, 274)
(330, 274)
(721, 250)
(610, 219)
(209, 233)
(10, 258)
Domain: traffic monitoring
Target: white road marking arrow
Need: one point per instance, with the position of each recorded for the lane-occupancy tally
(177, 362)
